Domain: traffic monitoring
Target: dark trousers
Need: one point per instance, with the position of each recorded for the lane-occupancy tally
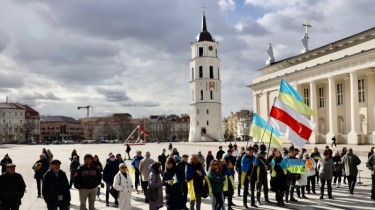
(338, 179)
(128, 155)
(185, 191)
(9, 206)
(71, 182)
(108, 186)
(144, 188)
(352, 180)
(239, 183)
(259, 185)
(219, 201)
(329, 187)
(317, 175)
(246, 191)
(38, 186)
(279, 195)
(137, 179)
(229, 196)
(373, 187)
(291, 185)
(54, 206)
(310, 184)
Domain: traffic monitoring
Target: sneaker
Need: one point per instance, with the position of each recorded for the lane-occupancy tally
(258, 203)
(331, 197)
(321, 197)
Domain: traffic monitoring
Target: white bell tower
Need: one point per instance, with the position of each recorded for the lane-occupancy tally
(205, 89)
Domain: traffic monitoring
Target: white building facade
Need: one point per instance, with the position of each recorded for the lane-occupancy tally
(205, 89)
(336, 80)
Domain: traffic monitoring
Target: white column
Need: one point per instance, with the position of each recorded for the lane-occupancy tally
(353, 136)
(332, 109)
(370, 98)
(255, 102)
(314, 106)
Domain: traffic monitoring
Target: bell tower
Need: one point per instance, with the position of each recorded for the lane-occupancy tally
(205, 89)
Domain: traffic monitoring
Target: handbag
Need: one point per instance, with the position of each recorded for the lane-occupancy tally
(113, 191)
(152, 193)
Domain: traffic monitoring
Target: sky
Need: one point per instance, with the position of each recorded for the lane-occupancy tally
(132, 56)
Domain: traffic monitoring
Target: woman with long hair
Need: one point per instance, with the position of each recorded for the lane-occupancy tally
(217, 182)
(173, 187)
(278, 177)
(96, 162)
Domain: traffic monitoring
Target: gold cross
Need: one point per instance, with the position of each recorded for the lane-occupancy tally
(306, 25)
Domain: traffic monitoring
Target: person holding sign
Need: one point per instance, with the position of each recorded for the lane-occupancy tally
(325, 167)
(278, 178)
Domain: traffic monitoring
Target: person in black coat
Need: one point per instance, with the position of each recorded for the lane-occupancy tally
(173, 188)
(162, 158)
(109, 173)
(209, 158)
(12, 188)
(40, 168)
(56, 187)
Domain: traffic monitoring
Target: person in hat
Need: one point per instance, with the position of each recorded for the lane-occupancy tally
(109, 172)
(12, 188)
(145, 172)
(40, 168)
(248, 166)
(220, 153)
(4, 162)
(181, 175)
(262, 168)
(55, 187)
(74, 164)
(209, 158)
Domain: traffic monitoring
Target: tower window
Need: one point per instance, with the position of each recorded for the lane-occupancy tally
(208, 111)
(200, 51)
(218, 73)
(211, 72)
(200, 71)
(208, 123)
(197, 111)
(192, 73)
(201, 94)
(211, 94)
(361, 90)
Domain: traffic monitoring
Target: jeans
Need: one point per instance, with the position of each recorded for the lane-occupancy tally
(352, 180)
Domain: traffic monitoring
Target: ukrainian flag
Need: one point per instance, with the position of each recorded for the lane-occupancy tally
(291, 97)
(259, 126)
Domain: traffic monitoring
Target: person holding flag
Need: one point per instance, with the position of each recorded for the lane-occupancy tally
(278, 177)
(248, 168)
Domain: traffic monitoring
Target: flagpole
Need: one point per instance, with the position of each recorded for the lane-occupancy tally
(269, 145)
(264, 130)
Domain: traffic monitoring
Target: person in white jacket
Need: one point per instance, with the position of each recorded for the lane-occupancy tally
(310, 172)
(123, 184)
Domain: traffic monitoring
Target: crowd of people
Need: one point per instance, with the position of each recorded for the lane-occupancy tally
(293, 174)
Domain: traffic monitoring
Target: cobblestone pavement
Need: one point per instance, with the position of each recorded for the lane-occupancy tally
(24, 156)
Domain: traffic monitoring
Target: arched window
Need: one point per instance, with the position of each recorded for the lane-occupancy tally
(211, 72)
(208, 123)
(218, 73)
(201, 94)
(211, 94)
(192, 73)
(208, 111)
(200, 71)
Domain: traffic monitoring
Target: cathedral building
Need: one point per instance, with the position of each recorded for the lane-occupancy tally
(336, 80)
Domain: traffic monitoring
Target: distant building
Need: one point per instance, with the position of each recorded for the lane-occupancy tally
(117, 126)
(58, 128)
(237, 125)
(18, 123)
(171, 127)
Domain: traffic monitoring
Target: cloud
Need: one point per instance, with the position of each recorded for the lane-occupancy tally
(113, 95)
(33, 98)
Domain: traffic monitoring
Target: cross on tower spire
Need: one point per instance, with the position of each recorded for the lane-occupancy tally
(307, 26)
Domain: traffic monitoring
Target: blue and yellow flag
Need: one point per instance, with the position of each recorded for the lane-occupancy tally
(291, 97)
(259, 126)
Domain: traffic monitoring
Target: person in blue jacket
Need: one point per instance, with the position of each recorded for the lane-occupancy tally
(248, 166)
(135, 163)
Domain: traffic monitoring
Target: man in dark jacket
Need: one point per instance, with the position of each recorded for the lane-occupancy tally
(109, 173)
(40, 168)
(86, 179)
(55, 189)
(12, 188)
(181, 166)
(220, 153)
(209, 158)
(73, 169)
(162, 158)
(239, 172)
(4, 162)
(195, 172)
